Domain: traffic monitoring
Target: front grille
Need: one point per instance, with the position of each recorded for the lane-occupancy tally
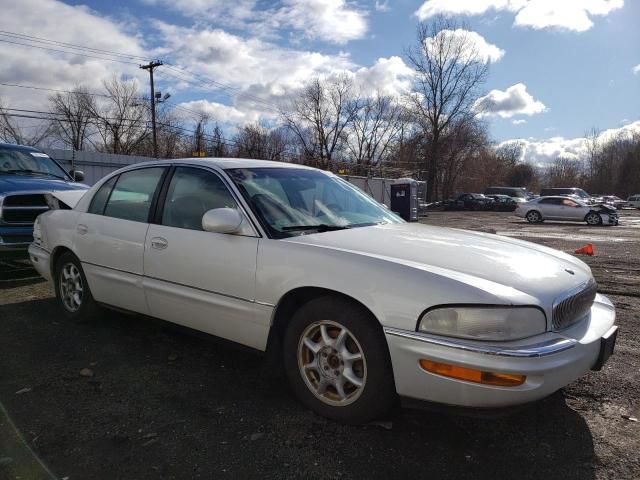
(23, 208)
(573, 307)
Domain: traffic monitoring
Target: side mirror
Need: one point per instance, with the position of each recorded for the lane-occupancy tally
(77, 175)
(222, 220)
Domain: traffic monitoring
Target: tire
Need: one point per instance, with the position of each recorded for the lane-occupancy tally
(72, 290)
(593, 219)
(317, 327)
(533, 216)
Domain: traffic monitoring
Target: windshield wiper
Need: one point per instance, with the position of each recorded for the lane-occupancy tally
(33, 172)
(323, 227)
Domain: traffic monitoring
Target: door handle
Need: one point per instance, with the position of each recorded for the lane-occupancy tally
(82, 229)
(159, 243)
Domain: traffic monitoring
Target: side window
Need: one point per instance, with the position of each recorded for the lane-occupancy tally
(550, 201)
(192, 192)
(132, 195)
(99, 200)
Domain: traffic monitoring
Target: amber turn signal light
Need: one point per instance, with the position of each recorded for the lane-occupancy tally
(471, 375)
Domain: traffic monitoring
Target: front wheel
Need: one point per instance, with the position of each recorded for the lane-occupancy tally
(337, 361)
(593, 218)
(72, 289)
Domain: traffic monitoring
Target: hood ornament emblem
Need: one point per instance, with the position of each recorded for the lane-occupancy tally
(569, 271)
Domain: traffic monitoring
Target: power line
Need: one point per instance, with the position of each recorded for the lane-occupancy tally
(67, 52)
(33, 38)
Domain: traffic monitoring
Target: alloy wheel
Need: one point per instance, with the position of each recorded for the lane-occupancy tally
(593, 219)
(332, 363)
(71, 287)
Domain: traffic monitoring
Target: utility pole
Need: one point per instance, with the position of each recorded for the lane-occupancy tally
(150, 66)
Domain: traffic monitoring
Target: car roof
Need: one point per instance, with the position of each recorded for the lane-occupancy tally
(225, 163)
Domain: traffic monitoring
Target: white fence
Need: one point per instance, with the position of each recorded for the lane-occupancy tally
(96, 165)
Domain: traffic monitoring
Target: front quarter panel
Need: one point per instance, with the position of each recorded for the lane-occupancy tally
(395, 292)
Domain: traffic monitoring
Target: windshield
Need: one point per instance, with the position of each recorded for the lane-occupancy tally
(17, 161)
(581, 193)
(294, 201)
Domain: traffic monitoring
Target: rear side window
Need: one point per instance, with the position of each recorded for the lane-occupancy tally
(551, 201)
(99, 200)
(132, 195)
(192, 192)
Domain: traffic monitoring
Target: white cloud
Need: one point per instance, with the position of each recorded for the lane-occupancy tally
(331, 21)
(571, 15)
(636, 69)
(513, 101)
(49, 69)
(519, 122)
(219, 112)
(389, 76)
(545, 151)
(382, 6)
(478, 47)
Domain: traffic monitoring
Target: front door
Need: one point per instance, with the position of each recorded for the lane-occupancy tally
(199, 279)
(110, 237)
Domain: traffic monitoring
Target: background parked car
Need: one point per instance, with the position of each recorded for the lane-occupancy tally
(470, 201)
(503, 203)
(570, 191)
(565, 208)
(26, 176)
(519, 194)
(634, 200)
(614, 200)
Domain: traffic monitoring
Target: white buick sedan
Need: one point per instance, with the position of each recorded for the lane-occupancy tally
(359, 306)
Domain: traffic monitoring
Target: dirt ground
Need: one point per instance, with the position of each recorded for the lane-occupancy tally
(163, 402)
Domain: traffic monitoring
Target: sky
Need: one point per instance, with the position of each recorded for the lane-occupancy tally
(557, 68)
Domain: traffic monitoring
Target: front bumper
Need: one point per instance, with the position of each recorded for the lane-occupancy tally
(549, 361)
(15, 238)
(41, 260)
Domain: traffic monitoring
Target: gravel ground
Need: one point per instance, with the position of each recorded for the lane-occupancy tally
(159, 401)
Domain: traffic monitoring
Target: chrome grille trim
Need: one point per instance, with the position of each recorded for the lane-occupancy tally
(574, 305)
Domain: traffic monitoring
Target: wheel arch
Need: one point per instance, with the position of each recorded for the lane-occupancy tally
(287, 306)
(55, 255)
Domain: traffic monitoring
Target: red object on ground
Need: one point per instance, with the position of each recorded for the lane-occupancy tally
(586, 250)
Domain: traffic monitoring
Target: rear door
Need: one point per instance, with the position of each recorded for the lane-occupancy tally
(199, 279)
(110, 237)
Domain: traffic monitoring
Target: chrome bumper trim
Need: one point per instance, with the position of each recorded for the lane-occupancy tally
(540, 349)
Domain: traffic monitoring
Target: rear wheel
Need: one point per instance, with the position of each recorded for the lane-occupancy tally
(72, 289)
(337, 361)
(593, 218)
(534, 216)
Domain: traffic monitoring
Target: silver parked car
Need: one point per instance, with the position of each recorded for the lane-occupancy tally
(566, 208)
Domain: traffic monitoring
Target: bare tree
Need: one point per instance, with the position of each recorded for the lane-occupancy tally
(256, 141)
(319, 117)
(217, 146)
(122, 118)
(563, 172)
(12, 130)
(449, 74)
(376, 125)
(73, 117)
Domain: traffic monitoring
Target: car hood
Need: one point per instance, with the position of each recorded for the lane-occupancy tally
(480, 259)
(23, 183)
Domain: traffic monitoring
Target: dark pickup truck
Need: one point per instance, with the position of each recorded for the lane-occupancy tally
(27, 175)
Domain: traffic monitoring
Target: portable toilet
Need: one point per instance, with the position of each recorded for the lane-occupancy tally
(404, 199)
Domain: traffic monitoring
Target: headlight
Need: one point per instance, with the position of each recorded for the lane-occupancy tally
(484, 323)
(37, 232)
